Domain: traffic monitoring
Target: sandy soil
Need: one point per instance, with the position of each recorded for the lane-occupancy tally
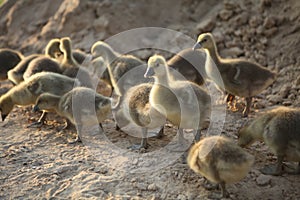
(39, 164)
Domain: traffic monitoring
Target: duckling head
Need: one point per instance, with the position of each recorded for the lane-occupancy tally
(65, 45)
(156, 66)
(102, 49)
(46, 101)
(205, 41)
(245, 137)
(52, 49)
(6, 105)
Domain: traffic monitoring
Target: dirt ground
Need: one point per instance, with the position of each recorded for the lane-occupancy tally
(40, 164)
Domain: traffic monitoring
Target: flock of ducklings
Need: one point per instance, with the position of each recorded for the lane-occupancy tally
(51, 83)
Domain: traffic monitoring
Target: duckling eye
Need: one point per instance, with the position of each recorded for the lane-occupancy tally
(204, 40)
(156, 64)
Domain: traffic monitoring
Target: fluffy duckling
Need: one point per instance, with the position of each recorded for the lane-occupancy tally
(8, 59)
(54, 51)
(190, 64)
(52, 48)
(15, 75)
(66, 48)
(136, 108)
(220, 160)
(240, 77)
(183, 103)
(27, 92)
(70, 67)
(120, 65)
(279, 128)
(41, 64)
(91, 109)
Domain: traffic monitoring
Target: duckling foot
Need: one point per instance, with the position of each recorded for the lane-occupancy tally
(210, 186)
(143, 145)
(271, 170)
(77, 140)
(37, 124)
(291, 169)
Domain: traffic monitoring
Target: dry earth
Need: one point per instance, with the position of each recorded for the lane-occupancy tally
(39, 164)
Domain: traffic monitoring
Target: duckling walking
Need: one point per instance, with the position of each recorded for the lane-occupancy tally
(240, 77)
(220, 160)
(183, 103)
(280, 130)
(81, 106)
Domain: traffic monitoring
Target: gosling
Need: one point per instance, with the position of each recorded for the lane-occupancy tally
(190, 64)
(27, 92)
(120, 65)
(220, 160)
(8, 59)
(240, 77)
(184, 103)
(91, 108)
(136, 108)
(279, 128)
(16, 74)
(71, 67)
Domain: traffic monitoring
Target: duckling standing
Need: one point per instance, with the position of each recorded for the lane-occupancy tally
(120, 65)
(16, 74)
(71, 67)
(183, 103)
(27, 92)
(81, 106)
(8, 59)
(280, 130)
(220, 160)
(240, 77)
(189, 63)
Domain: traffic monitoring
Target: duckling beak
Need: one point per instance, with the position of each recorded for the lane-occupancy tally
(35, 108)
(149, 73)
(3, 117)
(197, 46)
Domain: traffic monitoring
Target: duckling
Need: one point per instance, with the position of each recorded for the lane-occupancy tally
(15, 75)
(70, 67)
(41, 64)
(8, 59)
(137, 108)
(66, 48)
(279, 128)
(91, 108)
(185, 104)
(240, 77)
(190, 64)
(120, 65)
(220, 160)
(27, 92)
(52, 48)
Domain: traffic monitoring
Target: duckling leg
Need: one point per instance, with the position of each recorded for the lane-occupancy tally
(40, 122)
(160, 134)
(197, 135)
(274, 170)
(77, 139)
(182, 144)
(248, 106)
(144, 143)
(225, 193)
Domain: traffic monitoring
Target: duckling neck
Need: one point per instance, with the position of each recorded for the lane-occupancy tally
(111, 55)
(213, 53)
